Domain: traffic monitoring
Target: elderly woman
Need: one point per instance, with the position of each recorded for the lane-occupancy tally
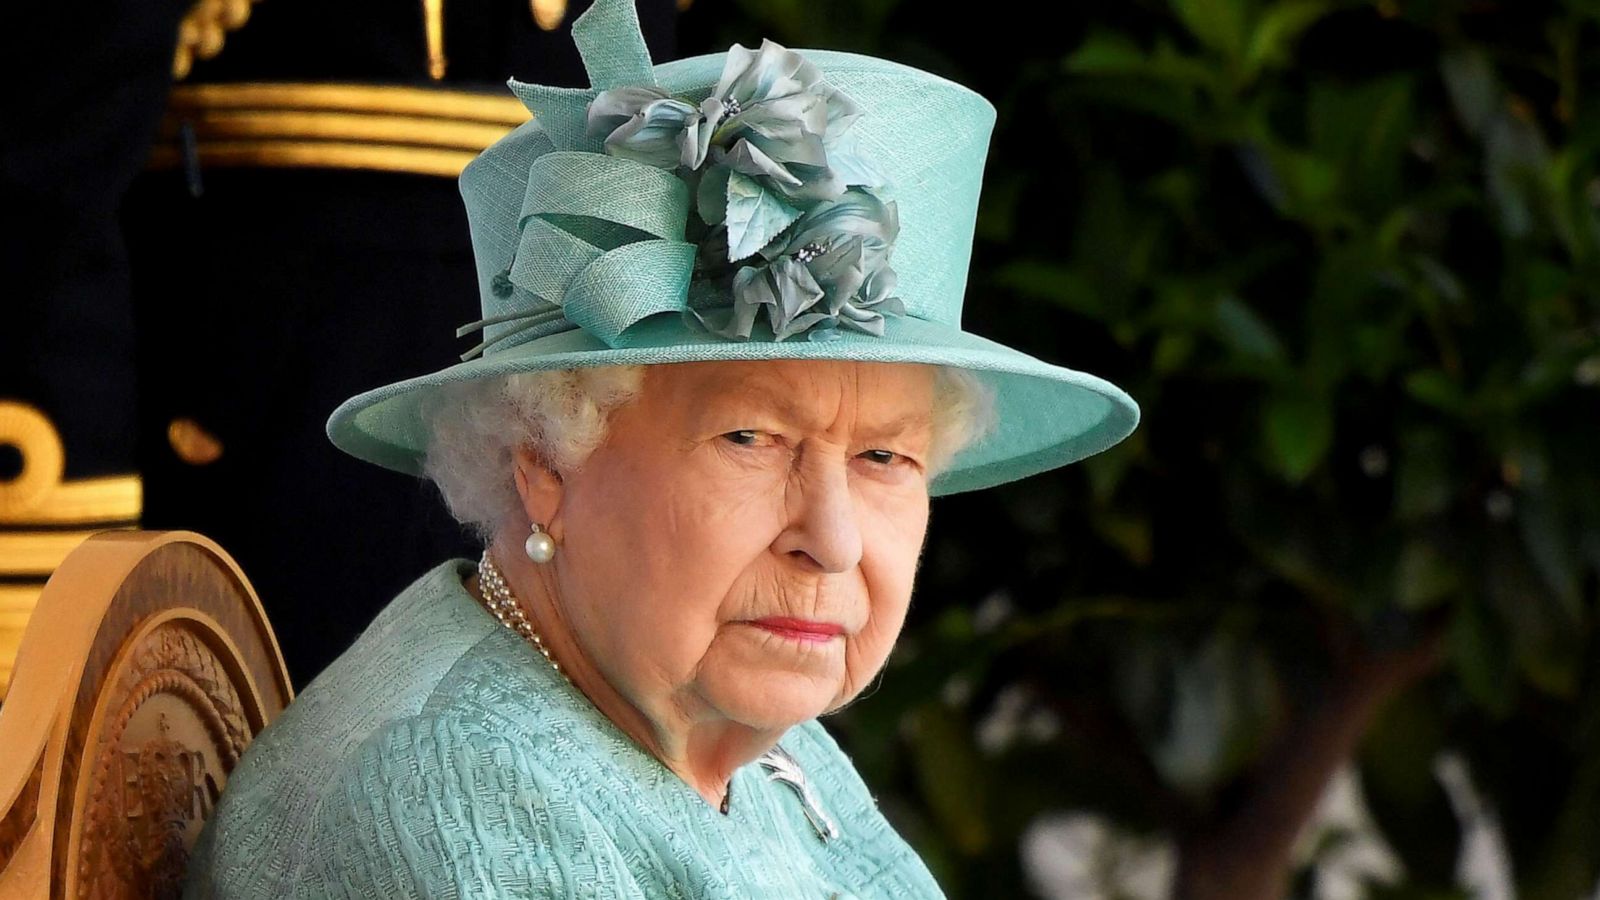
(699, 444)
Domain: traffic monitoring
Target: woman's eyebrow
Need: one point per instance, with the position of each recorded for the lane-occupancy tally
(748, 399)
(787, 411)
(910, 422)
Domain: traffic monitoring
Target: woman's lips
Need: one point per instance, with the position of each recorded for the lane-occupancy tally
(799, 629)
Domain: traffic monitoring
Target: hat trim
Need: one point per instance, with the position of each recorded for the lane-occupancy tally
(354, 427)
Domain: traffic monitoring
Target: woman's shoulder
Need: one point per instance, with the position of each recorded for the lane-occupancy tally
(388, 672)
(255, 839)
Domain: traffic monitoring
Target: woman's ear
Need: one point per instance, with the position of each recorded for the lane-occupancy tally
(540, 487)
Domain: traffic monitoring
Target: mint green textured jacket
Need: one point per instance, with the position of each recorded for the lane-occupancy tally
(442, 757)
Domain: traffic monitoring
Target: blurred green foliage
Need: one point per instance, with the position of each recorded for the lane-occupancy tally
(1347, 257)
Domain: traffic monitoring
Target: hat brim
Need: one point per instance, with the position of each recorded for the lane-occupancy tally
(1047, 415)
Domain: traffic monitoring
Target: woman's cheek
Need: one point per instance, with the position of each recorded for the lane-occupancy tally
(889, 588)
(896, 527)
(895, 504)
(869, 648)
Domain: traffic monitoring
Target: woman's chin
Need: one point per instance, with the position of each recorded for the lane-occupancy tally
(765, 699)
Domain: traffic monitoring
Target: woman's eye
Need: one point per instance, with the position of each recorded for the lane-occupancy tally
(752, 437)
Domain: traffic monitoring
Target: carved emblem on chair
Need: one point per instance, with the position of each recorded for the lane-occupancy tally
(178, 731)
(171, 670)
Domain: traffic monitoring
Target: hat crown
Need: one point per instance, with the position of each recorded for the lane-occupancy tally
(584, 242)
(927, 135)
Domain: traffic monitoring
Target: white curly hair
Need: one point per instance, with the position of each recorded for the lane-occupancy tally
(475, 426)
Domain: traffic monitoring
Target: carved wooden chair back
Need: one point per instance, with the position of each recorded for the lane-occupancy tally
(145, 670)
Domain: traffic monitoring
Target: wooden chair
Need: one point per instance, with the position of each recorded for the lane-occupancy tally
(144, 671)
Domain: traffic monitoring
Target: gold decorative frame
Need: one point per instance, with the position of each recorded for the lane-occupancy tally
(389, 128)
(43, 517)
(203, 31)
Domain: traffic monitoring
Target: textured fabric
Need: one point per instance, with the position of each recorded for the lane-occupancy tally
(927, 135)
(442, 757)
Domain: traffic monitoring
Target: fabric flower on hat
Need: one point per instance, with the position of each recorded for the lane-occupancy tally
(829, 270)
(777, 177)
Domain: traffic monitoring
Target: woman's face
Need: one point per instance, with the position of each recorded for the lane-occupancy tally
(732, 492)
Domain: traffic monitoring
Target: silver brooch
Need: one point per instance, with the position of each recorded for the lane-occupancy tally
(785, 768)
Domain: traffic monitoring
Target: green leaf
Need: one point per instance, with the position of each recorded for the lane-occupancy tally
(1218, 24)
(755, 216)
(1129, 533)
(1439, 279)
(1244, 332)
(1365, 129)
(1276, 32)
(1407, 801)
(1299, 430)
(1111, 55)
(1553, 548)
(1065, 286)
(711, 194)
(1480, 652)
(1569, 855)
(1310, 179)
(1424, 577)
(1172, 352)
(1438, 390)
(951, 776)
(1107, 53)
(1473, 88)
(1298, 184)
(1107, 470)
(1517, 161)
(1424, 482)
(1127, 96)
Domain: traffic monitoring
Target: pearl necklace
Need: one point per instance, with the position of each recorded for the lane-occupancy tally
(503, 604)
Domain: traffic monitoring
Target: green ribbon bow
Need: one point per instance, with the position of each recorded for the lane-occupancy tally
(601, 234)
(602, 237)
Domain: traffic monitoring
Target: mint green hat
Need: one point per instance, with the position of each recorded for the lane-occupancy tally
(757, 204)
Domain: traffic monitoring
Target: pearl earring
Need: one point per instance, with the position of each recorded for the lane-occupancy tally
(540, 547)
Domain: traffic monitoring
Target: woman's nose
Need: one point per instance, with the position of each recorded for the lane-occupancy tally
(823, 523)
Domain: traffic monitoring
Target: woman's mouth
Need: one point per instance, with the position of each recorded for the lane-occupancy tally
(799, 629)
